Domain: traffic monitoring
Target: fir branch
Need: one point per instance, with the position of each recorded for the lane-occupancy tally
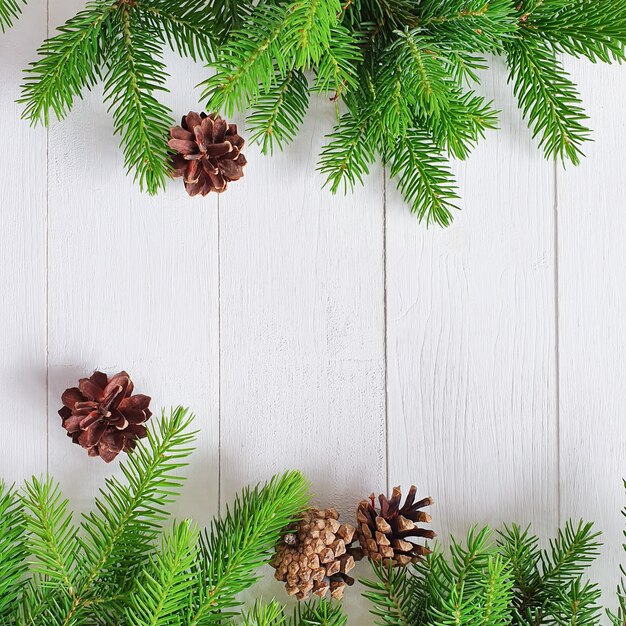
(575, 604)
(186, 25)
(392, 595)
(52, 536)
(234, 547)
(279, 113)
(307, 30)
(596, 30)
(68, 63)
(468, 25)
(548, 99)
(13, 551)
(165, 585)
(423, 177)
(127, 519)
(337, 68)
(264, 614)
(349, 153)
(464, 122)
(135, 73)
(318, 613)
(10, 10)
(574, 548)
(246, 66)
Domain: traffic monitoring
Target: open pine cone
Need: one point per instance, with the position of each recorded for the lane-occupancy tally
(383, 534)
(316, 556)
(103, 416)
(208, 153)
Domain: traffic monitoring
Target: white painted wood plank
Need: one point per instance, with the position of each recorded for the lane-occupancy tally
(23, 275)
(133, 285)
(302, 318)
(592, 314)
(471, 341)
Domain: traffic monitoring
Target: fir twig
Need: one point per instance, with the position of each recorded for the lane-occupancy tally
(234, 547)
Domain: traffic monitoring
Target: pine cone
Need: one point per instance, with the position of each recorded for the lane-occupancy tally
(383, 534)
(316, 557)
(103, 416)
(208, 153)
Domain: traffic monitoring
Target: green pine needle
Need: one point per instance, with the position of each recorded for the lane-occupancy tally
(13, 552)
(10, 10)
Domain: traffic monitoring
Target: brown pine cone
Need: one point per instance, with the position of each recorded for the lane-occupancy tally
(383, 534)
(208, 153)
(103, 416)
(316, 556)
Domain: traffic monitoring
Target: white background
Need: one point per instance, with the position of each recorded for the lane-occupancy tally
(484, 363)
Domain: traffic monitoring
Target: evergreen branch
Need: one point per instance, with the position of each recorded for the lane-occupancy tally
(68, 63)
(229, 16)
(264, 614)
(186, 25)
(321, 613)
(307, 30)
(548, 99)
(575, 604)
(596, 30)
(246, 65)
(350, 152)
(497, 593)
(391, 595)
(469, 25)
(10, 10)
(13, 551)
(570, 553)
(464, 122)
(337, 69)
(135, 72)
(166, 582)
(51, 535)
(423, 177)
(279, 113)
(234, 547)
(126, 522)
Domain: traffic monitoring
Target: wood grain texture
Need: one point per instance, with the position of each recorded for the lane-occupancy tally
(23, 274)
(133, 285)
(592, 320)
(302, 326)
(471, 341)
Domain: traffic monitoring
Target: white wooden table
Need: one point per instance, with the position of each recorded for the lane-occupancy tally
(485, 363)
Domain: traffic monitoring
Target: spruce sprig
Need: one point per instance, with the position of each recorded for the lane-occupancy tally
(13, 552)
(235, 546)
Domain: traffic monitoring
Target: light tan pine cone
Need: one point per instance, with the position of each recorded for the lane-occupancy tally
(316, 556)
